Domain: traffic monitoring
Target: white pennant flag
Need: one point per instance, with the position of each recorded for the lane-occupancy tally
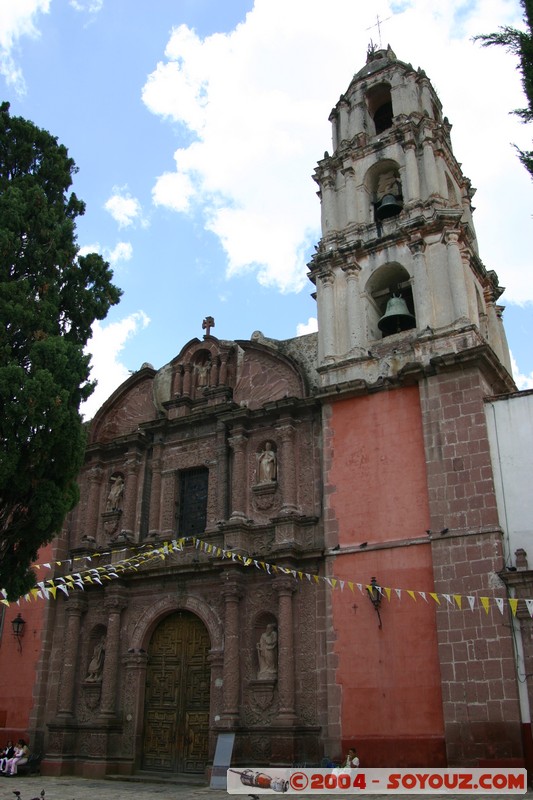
(529, 604)
(499, 603)
(448, 598)
(471, 601)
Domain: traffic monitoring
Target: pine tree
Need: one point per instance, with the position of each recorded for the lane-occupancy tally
(520, 43)
(49, 298)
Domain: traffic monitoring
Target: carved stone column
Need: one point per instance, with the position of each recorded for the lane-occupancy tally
(422, 294)
(115, 600)
(326, 311)
(430, 168)
(93, 507)
(354, 307)
(76, 605)
(456, 276)
(329, 206)
(130, 494)
(222, 472)
(285, 587)
(412, 178)
(154, 524)
(232, 593)
(351, 194)
(167, 508)
(237, 443)
(286, 431)
(187, 379)
(178, 381)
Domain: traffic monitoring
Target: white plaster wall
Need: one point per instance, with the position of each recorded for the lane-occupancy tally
(510, 427)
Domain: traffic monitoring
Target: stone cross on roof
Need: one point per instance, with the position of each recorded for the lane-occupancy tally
(207, 324)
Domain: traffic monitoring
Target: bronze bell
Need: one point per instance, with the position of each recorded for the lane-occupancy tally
(397, 317)
(388, 206)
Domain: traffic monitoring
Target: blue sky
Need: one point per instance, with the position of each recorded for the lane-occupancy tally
(196, 126)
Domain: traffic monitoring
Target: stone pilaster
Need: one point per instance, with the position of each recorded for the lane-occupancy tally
(232, 593)
(238, 443)
(115, 600)
(423, 295)
(285, 587)
(287, 477)
(76, 605)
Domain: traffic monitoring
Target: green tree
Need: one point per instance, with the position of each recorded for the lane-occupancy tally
(49, 298)
(520, 43)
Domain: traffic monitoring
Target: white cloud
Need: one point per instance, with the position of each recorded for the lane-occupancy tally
(89, 6)
(105, 347)
(17, 19)
(522, 381)
(307, 327)
(256, 101)
(123, 251)
(125, 209)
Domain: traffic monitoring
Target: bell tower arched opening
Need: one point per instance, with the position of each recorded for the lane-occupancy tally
(379, 104)
(390, 302)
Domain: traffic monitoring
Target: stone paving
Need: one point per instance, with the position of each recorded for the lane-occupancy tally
(72, 788)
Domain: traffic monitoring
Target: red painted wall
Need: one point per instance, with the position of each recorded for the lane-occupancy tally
(18, 669)
(376, 490)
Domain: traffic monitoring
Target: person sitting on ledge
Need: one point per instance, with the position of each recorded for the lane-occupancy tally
(22, 752)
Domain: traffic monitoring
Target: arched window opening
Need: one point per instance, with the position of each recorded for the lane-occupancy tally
(385, 188)
(452, 194)
(391, 304)
(379, 103)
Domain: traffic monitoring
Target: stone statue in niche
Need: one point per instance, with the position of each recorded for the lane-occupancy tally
(267, 653)
(267, 464)
(202, 374)
(389, 183)
(96, 664)
(114, 498)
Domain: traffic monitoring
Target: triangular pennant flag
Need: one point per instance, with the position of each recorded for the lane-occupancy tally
(350, 584)
(411, 594)
(423, 596)
(458, 599)
(398, 593)
(63, 589)
(529, 604)
(448, 598)
(435, 597)
(341, 584)
(388, 592)
(471, 601)
(513, 602)
(499, 603)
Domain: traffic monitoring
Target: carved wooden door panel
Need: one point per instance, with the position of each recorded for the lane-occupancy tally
(176, 712)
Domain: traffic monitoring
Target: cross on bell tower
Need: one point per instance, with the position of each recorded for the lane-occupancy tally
(207, 324)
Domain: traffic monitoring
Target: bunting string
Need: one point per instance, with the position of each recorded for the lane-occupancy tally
(89, 575)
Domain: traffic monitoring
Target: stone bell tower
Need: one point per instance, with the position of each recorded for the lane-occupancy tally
(397, 268)
(410, 346)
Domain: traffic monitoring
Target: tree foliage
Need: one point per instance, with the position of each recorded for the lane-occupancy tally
(520, 43)
(49, 298)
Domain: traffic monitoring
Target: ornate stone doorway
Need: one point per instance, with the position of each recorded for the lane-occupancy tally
(176, 711)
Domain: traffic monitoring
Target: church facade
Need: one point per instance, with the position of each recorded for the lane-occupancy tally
(293, 541)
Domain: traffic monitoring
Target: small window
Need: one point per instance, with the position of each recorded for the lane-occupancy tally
(192, 516)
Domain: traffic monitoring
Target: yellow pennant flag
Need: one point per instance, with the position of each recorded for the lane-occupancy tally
(458, 599)
(350, 584)
(53, 591)
(513, 602)
(435, 597)
(411, 594)
(388, 592)
(36, 593)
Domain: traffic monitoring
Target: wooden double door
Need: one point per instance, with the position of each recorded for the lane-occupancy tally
(176, 712)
